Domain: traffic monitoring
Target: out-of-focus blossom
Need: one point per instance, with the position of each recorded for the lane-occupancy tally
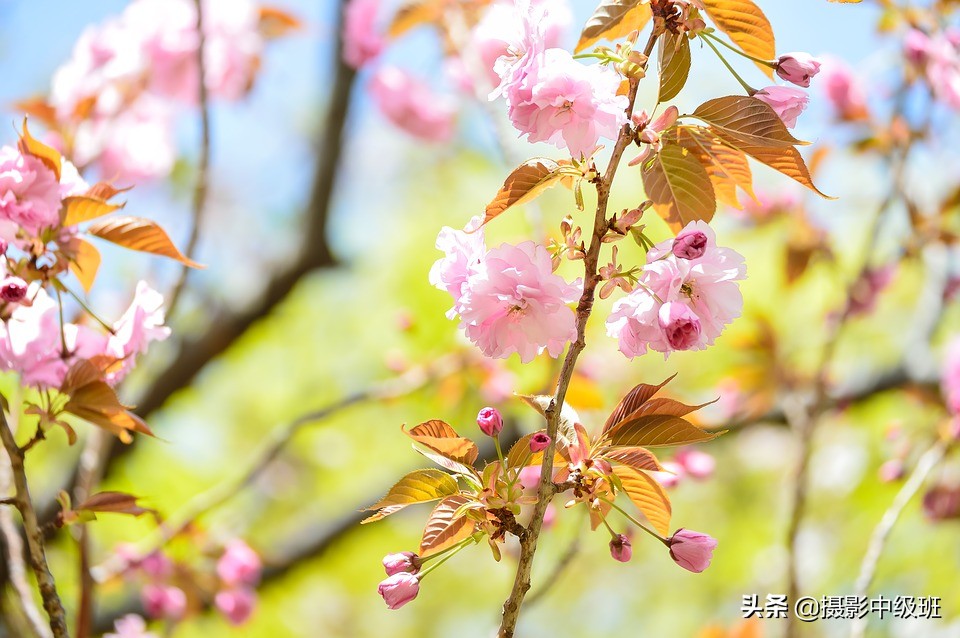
(672, 475)
(399, 589)
(692, 550)
(844, 90)
(411, 105)
(697, 464)
(161, 601)
(950, 377)
(621, 549)
(943, 70)
(239, 564)
(866, 290)
(130, 626)
(798, 68)
(362, 40)
(156, 565)
(916, 46)
(891, 471)
(237, 605)
(787, 101)
(942, 502)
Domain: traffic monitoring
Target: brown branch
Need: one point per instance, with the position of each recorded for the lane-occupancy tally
(37, 555)
(545, 490)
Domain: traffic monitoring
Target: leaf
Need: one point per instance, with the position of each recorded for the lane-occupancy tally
(113, 502)
(678, 186)
(274, 22)
(38, 108)
(666, 407)
(85, 263)
(46, 154)
(614, 19)
(521, 456)
(636, 457)
(648, 495)
(443, 439)
(746, 118)
(655, 430)
(80, 208)
(447, 463)
(640, 394)
(382, 514)
(93, 400)
(414, 14)
(419, 486)
(747, 26)
(443, 529)
(726, 166)
(785, 160)
(525, 182)
(568, 416)
(140, 234)
(674, 65)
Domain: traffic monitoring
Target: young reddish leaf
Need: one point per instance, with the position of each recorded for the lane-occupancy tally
(747, 26)
(443, 529)
(636, 457)
(614, 19)
(442, 439)
(654, 430)
(640, 394)
(46, 154)
(113, 502)
(38, 108)
(85, 263)
(526, 182)
(747, 119)
(139, 234)
(726, 166)
(648, 495)
(678, 186)
(674, 65)
(786, 160)
(81, 208)
(414, 14)
(93, 400)
(275, 22)
(419, 486)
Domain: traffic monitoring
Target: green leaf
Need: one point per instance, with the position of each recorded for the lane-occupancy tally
(614, 19)
(678, 186)
(648, 495)
(419, 486)
(444, 528)
(747, 26)
(674, 65)
(745, 118)
(654, 430)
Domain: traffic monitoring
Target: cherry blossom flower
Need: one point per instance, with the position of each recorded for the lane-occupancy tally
(362, 41)
(399, 589)
(29, 191)
(237, 605)
(463, 252)
(788, 102)
(130, 626)
(621, 549)
(141, 324)
(490, 421)
(160, 601)
(239, 564)
(407, 562)
(798, 68)
(950, 378)
(692, 550)
(411, 105)
(844, 90)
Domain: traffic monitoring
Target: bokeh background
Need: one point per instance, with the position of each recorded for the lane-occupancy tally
(346, 327)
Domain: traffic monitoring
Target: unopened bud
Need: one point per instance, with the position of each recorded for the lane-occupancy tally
(13, 289)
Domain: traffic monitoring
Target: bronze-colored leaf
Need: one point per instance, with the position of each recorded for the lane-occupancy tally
(786, 160)
(521, 456)
(39, 109)
(525, 182)
(636, 457)
(85, 263)
(665, 406)
(443, 439)
(275, 22)
(747, 119)
(419, 486)
(726, 166)
(46, 154)
(747, 26)
(413, 14)
(614, 19)
(678, 186)
(80, 208)
(637, 396)
(140, 234)
(648, 495)
(113, 502)
(674, 65)
(443, 529)
(654, 430)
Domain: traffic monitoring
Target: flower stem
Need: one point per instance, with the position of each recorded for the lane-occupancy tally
(749, 89)
(447, 554)
(769, 63)
(636, 522)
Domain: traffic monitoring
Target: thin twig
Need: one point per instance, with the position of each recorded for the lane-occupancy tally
(37, 555)
(878, 540)
(203, 166)
(545, 490)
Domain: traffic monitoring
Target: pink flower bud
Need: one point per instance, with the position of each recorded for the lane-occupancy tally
(156, 565)
(236, 605)
(891, 471)
(3, 246)
(692, 550)
(399, 589)
(942, 502)
(621, 549)
(13, 289)
(239, 565)
(490, 421)
(680, 324)
(798, 68)
(690, 245)
(164, 602)
(697, 464)
(788, 102)
(401, 562)
(539, 442)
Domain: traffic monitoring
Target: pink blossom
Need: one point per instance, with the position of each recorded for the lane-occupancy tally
(526, 40)
(689, 245)
(399, 589)
(845, 91)
(141, 324)
(672, 476)
(568, 104)
(239, 564)
(788, 102)
(692, 550)
(697, 464)
(13, 289)
(950, 377)
(29, 191)
(916, 46)
(943, 70)
(529, 477)
(237, 605)
(156, 564)
(621, 549)
(463, 252)
(401, 562)
(549, 516)
(892, 470)
(681, 326)
(798, 68)
(539, 442)
(362, 40)
(515, 303)
(160, 601)
(30, 342)
(867, 288)
(490, 421)
(411, 105)
(130, 626)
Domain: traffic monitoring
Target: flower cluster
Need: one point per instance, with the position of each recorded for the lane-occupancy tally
(508, 298)
(686, 294)
(937, 57)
